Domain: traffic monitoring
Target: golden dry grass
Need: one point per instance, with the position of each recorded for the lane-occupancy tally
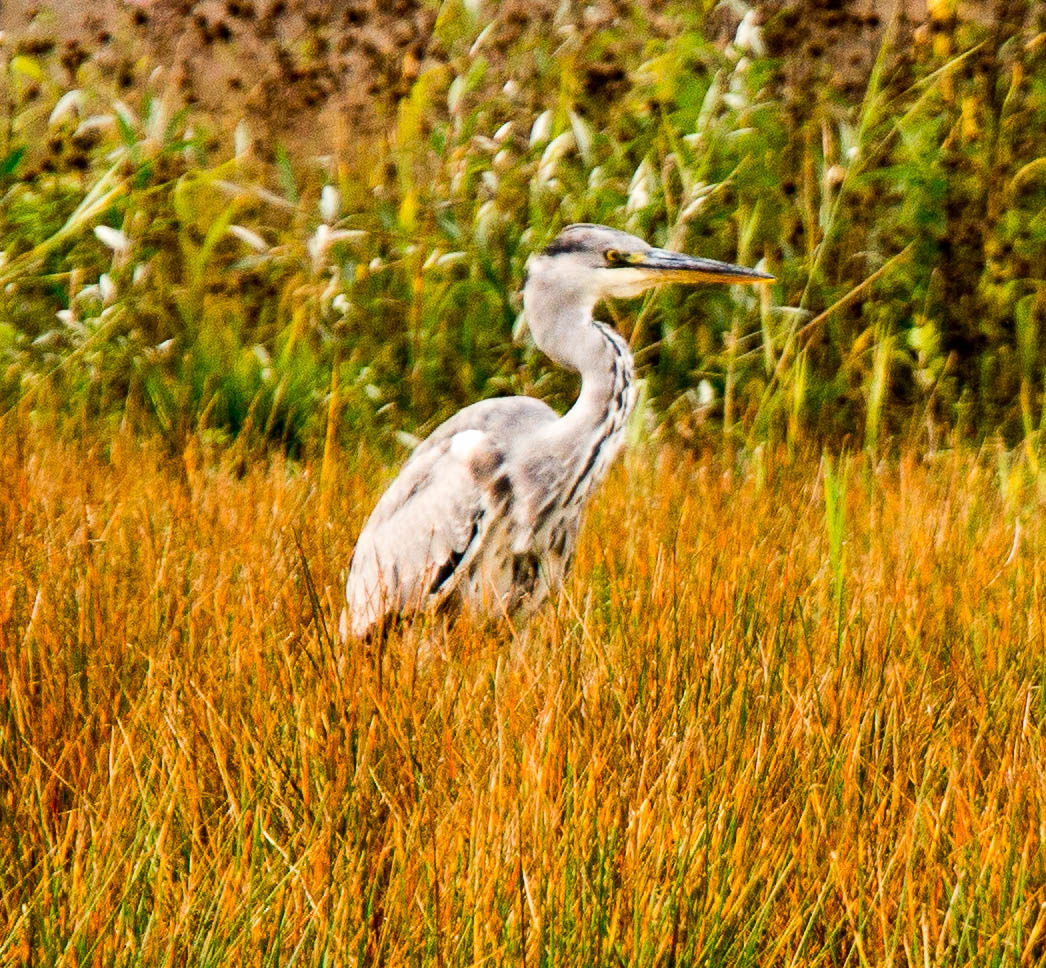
(730, 741)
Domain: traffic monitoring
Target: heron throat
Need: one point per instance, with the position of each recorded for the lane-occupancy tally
(590, 434)
(597, 420)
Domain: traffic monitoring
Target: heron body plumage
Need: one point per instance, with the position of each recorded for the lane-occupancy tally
(485, 514)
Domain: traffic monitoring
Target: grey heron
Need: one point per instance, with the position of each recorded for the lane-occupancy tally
(485, 513)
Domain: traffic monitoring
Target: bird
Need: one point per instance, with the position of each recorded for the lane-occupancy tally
(485, 514)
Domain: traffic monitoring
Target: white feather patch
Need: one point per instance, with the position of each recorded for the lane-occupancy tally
(465, 444)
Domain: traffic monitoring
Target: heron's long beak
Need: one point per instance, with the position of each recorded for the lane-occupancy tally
(677, 267)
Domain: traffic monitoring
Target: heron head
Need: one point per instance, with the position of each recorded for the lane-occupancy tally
(601, 261)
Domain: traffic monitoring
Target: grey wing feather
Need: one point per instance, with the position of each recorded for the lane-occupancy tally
(427, 526)
(433, 519)
(505, 419)
(502, 419)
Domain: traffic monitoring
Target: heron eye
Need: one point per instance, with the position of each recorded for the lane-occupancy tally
(614, 257)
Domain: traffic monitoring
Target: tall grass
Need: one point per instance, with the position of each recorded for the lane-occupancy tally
(252, 290)
(749, 732)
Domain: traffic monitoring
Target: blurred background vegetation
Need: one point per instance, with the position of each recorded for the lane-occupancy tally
(326, 247)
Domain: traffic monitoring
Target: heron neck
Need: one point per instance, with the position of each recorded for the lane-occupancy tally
(605, 399)
(592, 430)
(564, 328)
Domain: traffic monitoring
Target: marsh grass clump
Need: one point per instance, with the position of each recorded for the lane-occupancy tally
(725, 741)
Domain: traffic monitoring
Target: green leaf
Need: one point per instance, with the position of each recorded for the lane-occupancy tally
(12, 161)
(286, 175)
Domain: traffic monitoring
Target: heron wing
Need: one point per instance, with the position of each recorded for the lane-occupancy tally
(425, 530)
(505, 419)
